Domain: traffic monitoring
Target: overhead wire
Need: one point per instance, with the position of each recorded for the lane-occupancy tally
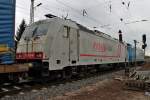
(75, 10)
(119, 19)
(45, 6)
(125, 25)
(21, 10)
(79, 12)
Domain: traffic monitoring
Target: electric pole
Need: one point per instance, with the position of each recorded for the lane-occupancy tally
(135, 43)
(120, 36)
(144, 43)
(32, 12)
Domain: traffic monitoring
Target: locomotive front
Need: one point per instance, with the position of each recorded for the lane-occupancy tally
(31, 46)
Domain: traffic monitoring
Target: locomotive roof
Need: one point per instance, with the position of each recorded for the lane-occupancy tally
(69, 22)
(81, 27)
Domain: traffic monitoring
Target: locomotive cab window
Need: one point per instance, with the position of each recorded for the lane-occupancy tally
(66, 31)
(42, 29)
(36, 30)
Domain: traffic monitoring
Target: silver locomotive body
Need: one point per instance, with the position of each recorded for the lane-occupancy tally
(59, 43)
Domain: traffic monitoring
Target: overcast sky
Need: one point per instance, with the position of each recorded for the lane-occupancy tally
(98, 14)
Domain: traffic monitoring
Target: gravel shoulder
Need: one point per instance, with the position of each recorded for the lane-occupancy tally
(101, 87)
(104, 90)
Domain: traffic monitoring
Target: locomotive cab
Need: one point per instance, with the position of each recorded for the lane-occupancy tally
(30, 47)
(46, 45)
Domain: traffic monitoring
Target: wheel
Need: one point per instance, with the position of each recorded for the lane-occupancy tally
(67, 73)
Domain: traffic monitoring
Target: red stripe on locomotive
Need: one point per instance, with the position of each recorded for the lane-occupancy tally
(30, 55)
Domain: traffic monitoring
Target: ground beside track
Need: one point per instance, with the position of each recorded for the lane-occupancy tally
(49, 92)
(109, 89)
(101, 87)
(104, 90)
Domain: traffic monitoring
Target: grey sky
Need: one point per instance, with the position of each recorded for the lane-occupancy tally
(98, 14)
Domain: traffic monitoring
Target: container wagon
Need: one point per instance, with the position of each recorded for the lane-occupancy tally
(140, 56)
(7, 30)
(131, 55)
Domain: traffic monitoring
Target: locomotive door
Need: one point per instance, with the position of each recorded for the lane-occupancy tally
(73, 46)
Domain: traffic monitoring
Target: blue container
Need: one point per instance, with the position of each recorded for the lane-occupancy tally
(129, 48)
(131, 53)
(7, 30)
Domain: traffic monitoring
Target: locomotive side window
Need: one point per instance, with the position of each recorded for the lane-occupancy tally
(66, 31)
(58, 61)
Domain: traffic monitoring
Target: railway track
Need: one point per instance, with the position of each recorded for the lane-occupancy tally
(33, 90)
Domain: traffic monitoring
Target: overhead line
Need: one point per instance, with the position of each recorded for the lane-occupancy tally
(98, 22)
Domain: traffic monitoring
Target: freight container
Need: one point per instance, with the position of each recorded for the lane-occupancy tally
(130, 53)
(7, 30)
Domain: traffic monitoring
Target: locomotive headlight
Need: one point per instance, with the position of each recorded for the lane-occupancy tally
(30, 65)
